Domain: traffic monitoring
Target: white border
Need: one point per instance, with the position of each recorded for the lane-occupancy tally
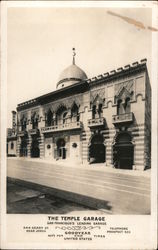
(154, 80)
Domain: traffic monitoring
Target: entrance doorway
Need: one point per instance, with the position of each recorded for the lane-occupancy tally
(61, 150)
(97, 149)
(23, 147)
(123, 152)
(35, 151)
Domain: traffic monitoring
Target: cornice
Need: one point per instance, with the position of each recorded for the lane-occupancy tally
(85, 85)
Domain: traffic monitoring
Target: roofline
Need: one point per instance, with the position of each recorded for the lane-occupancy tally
(67, 80)
(118, 72)
(100, 78)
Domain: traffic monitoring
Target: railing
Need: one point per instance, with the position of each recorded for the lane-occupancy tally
(60, 127)
(22, 133)
(11, 135)
(33, 131)
(122, 118)
(96, 122)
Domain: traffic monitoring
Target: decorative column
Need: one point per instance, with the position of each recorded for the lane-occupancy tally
(29, 142)
(18, 146)
(41, 145)
(109, 154)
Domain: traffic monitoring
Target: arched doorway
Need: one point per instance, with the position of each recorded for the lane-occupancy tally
(123, 151)
(61, 150)
(35, 151)
(97, 149)
(23, 147)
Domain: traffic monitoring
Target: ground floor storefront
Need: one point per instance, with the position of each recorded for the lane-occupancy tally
(117, 148)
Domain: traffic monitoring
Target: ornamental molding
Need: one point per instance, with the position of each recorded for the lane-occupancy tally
(67, 103)
(97, 95)
(124, 90)
(23, 116)
(35, 112)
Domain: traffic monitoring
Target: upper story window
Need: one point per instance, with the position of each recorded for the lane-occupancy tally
(120, 109)
(34, 120)
(93, 111)
(100, 110)
(61, 115)
(23, 124)
(127, 105)
(64, 117)
(49, 118)
(123, 108)
(97, 111)
(75, 113)
(12, 145)
(35, 123)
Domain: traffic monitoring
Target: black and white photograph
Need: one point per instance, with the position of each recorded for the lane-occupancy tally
(79, 121)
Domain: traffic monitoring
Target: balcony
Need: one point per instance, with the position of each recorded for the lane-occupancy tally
(123, 118)
(62, 127)
(11, 136)
(33, 131)
(96, 122)
(22, 133)
(11, 133)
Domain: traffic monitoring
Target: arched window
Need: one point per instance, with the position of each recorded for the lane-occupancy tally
(100, 110)
(93, 111)
(23, 124)
(34, 120)
(75, 113)
(12, 145)
(120, 109)
(61, 115)
(64, 117)
(127, 105)
(49, 119)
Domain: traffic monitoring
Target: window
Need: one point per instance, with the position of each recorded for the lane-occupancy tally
(64, 117)
(23, 125)
(34, 123)
(61, 115)
(127, 105)
(12, 145)
(93, 112)
(123, 108)
(100, 111)
(75, 113)
(49, 118)
(97, 111)
(120, 109)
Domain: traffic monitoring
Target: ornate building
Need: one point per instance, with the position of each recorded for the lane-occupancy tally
(104, 119)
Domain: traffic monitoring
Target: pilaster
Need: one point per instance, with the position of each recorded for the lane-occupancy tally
(41, 145)
(29, 145)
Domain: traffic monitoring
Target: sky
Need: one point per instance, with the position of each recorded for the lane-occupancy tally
(40, 42)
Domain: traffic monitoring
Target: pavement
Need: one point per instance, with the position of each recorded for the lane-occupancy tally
(103, 167)
(113, 190)
(25, 200)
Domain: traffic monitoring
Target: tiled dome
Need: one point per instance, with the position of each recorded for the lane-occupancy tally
(71, 75)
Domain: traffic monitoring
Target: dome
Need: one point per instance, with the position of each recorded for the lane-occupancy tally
(71, 75)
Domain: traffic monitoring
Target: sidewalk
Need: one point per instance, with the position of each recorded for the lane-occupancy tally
(93, 167)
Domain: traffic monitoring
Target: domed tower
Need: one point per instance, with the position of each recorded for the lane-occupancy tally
(71, 75)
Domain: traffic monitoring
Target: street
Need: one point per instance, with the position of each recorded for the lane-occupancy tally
(24, 200)
(115, 193)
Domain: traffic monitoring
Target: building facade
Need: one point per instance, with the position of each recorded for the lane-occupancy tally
(104, 119)
(12, 137)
